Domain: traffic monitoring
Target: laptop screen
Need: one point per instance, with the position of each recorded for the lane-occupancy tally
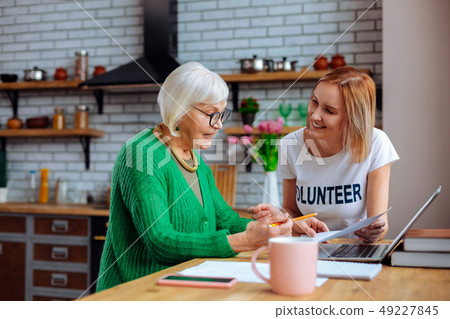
(411, 222)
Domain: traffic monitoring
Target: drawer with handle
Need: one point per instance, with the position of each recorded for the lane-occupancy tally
(56, 279)
(61, 226)
(60, 253)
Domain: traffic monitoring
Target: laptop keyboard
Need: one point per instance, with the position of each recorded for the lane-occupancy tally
(355, 251)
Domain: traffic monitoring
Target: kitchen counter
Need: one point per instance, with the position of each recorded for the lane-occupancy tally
(69, 209)
(53, 209)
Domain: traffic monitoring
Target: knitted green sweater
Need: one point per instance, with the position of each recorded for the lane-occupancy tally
(155, 220)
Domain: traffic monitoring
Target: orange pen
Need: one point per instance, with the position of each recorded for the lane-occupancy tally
(295, 219)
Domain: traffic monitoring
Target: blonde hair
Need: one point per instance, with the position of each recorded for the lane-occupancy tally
(358, 92)
(189, 84)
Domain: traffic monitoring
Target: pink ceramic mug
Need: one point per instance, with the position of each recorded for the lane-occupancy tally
(293, 265)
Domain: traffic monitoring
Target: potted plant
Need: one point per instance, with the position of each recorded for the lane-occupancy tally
(248, 108)
(262, 148)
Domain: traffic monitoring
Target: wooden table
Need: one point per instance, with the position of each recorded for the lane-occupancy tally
(393, 283)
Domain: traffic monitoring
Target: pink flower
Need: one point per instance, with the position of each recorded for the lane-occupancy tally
(248, 129)
(271, 127)
(280, 121)
(278, 127)
(262, 126)
(246, 140)
(232, 139)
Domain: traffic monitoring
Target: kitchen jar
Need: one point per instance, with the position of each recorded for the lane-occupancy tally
(321, 63)
(82, 116)
(60, 74)
(337, 61)
(98, 70)
(81, 65)
(14, 123)
(59, 120)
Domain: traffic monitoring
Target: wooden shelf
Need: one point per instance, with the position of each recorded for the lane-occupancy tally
(238, 130)
(234, 80)
(84, 136)
(39, 85)
(45, 132)
(125, 88)
(302, 75)
(281, 76)
(53, 209)
(13, 89)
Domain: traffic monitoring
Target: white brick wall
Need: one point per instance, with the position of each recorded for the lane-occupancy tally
(216, 33)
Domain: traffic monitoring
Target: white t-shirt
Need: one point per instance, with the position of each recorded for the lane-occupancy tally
(332, 186)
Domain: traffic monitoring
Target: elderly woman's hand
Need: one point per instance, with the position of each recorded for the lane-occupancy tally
(258, 233)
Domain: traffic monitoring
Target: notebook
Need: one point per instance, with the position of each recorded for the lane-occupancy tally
(347, 270)
(244, 273)
(369, 252)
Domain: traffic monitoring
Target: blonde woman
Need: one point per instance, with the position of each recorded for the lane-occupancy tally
(339, 165)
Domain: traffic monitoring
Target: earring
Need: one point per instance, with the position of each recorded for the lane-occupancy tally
(177, 128)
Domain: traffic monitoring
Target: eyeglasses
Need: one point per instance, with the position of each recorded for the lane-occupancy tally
(214, 117)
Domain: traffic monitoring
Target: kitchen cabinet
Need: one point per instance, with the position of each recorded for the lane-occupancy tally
(12, 258)
(46, 254)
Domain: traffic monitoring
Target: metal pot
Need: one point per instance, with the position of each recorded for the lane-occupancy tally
(284, 65)
(252, 65)
(279, 65)
(35, 74)
(292, 64)
(268, 65)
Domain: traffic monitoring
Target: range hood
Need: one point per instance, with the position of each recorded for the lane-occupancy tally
(160, 46)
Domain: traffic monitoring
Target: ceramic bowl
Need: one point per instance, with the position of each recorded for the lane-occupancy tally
(38, 122)
(7, 77)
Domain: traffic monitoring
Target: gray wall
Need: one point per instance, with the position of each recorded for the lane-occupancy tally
(46, 33)
(416, 80)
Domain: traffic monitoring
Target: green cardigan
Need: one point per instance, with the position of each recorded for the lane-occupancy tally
(155, 220)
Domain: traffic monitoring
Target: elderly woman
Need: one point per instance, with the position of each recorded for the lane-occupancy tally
(165, 207)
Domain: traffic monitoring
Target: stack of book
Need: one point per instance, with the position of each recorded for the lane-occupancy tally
(424, 248)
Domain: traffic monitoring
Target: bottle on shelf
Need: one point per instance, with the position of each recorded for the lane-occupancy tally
(43, 194)
(59, 120)
(32, 188)
(82, 117)
(81, 65)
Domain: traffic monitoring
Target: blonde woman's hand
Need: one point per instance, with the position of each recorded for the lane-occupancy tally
(264, 210)
(373, 232)
(309, 226)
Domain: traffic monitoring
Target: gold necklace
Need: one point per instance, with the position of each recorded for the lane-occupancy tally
(178, 157)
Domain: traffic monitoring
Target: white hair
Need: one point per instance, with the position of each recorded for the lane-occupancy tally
(189, 84)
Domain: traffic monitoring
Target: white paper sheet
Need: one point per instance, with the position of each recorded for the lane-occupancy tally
(321, 237)
(242, 271)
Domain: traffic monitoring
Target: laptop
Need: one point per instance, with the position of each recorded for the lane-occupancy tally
(371, 253)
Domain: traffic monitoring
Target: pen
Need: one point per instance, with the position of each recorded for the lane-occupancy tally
(295, 219)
